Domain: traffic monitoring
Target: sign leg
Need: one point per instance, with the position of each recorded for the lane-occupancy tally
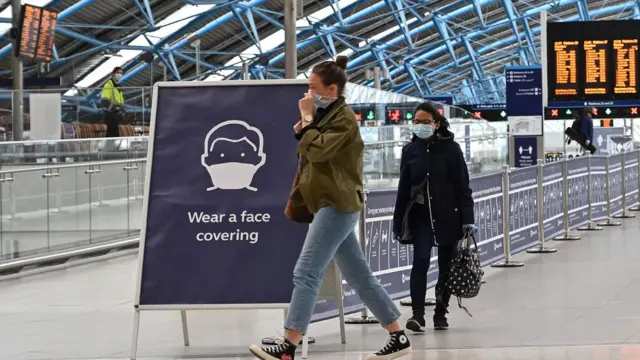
(185, 327)
(134, 336)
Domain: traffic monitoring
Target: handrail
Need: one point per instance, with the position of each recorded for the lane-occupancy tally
(74, 165)
(53, 142)
(16, 265)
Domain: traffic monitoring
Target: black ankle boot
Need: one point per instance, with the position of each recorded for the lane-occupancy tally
(440, 319)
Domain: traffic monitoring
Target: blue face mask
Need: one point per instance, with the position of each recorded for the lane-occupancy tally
(422, 131)
(321, 102)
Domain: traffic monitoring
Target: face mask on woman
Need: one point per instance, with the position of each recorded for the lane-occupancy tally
(118, 77)
(422, 131)
(321, 102)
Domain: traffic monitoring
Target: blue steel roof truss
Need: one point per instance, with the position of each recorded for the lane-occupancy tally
(452, 46)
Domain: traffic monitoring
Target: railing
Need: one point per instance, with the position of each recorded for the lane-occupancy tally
(55, 208)
(59, 203)
(32, 153)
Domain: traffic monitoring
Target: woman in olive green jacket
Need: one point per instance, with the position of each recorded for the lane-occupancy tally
(331, 155)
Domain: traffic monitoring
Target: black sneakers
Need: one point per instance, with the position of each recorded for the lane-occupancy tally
(397, 346)
(440, 322)
(283, 351)
(416, 323)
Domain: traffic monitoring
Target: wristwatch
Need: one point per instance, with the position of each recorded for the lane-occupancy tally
(307, 118)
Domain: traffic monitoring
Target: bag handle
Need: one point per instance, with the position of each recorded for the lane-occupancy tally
(465, 240)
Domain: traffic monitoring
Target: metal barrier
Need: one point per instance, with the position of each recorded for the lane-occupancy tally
(565, 203)
(49, 213)
(516, 211)
(506, 220)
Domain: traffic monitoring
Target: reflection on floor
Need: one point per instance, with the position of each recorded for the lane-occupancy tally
(580, 303)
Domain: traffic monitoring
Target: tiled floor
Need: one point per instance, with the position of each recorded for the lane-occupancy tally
(580, 303)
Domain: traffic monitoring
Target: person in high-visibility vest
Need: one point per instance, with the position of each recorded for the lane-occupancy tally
(112, 100)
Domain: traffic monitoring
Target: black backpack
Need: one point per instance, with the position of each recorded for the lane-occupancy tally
(465, 276)
(577, 124)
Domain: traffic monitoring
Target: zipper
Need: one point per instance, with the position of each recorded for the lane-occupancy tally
(433, 229)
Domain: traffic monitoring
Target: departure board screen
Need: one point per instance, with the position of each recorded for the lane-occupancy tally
(566, 61)
(596, 53)
(625, 59)
(47, 35)
(38, 28)
(593, 61)
(29, 31)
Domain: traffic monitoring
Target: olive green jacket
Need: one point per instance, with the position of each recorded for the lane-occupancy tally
(330, 162)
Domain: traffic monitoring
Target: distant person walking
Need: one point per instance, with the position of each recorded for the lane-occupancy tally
(583, 127)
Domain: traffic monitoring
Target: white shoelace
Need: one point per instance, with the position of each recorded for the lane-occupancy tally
(388, 346)
(276, 348)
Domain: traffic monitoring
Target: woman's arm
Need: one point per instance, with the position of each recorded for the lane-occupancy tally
(459, 175)
(403, 195)
(319, 146)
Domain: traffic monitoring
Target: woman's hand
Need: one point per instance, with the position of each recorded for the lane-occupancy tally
(306, 104)
(297, 127)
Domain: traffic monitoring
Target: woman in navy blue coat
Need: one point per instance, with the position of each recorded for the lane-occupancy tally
(434, 207)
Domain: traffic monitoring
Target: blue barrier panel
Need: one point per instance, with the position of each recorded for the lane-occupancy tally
(578, 195)
(219, 175)
(552, 200)
(615, 182)
(488, 198)
(631, 177)
(598, 188)
(390, 261)
(523, 211)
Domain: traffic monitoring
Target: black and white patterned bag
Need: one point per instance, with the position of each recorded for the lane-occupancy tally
(465, 277)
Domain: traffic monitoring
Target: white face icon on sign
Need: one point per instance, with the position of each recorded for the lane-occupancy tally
(233, 153)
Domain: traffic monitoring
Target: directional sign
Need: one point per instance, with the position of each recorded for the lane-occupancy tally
(524, 100)
(526, 153)
(600, 135)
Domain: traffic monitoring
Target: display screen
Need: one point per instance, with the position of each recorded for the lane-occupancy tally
(399, 113)
(611, 112)
(364, 112)
(30, 27)
(595, 75)
(47, 35)
(566, 61)
(625, 60)
(593, 60)
(38, 28)
(482, 111)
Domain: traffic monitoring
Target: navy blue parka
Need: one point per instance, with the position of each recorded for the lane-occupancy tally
(433, 170)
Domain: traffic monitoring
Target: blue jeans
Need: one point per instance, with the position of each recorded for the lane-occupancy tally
(332, 234)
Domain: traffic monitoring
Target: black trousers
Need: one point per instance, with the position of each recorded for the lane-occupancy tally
(418, 282)
(112, 120)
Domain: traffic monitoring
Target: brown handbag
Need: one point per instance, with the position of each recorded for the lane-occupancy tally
(299, 214)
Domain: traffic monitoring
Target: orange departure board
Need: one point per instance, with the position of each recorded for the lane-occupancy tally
(595, 70)
(37, 33)
(566, 58)
(47, 35)
(29, 32)
(625, 58)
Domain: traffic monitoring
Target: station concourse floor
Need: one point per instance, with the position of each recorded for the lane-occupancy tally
(581, 303)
